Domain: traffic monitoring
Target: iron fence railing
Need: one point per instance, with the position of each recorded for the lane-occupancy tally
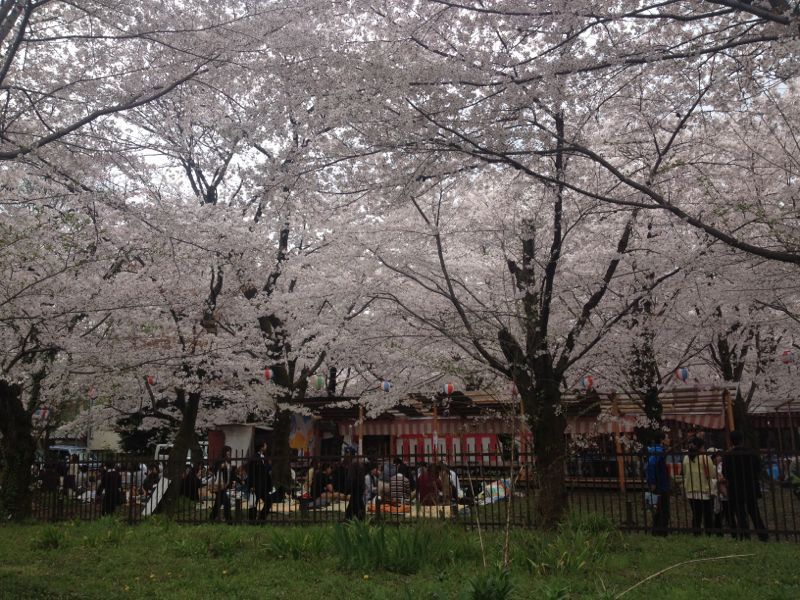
(722, 493)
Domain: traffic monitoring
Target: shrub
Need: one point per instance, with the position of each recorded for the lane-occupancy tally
(361, 547)
(50, 538)
(491, 585)
(298, 543)
(588, 522)
(581, 544)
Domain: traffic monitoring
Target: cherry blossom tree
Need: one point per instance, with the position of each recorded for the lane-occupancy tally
(69, 71)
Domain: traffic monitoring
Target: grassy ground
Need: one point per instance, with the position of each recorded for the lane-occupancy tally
(587, 559)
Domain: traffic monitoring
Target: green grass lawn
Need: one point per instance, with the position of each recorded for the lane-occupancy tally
(587, 559)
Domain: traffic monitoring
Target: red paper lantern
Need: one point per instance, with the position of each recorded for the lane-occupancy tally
(268, 374)
(448, 388)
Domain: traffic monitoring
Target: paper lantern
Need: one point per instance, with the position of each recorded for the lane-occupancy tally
(151, 380)
(587, 382)
(448, 388)
(386, 386)
(682, 373)
(319, 382)
(787, 357)
(268, 374)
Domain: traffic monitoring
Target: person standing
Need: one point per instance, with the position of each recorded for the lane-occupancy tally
(224, 479)
(260, 478)
(111, 489)
(742, 468)
(698, 471)
(356, 490)
(73, 475)
(658, 482)
(722, 508)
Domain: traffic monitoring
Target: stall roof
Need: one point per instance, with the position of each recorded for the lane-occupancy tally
(415, 406)
(701, 406)
(586, 413)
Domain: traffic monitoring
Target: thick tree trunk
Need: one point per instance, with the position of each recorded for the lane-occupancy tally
(184, 440)
(653, 410)
(280, 451)
(550, 449)
(742, 421)
(18, 450)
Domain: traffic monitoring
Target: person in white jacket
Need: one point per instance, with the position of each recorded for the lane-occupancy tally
(699, 474)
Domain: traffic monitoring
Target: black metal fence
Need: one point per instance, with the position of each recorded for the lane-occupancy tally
(723, 494)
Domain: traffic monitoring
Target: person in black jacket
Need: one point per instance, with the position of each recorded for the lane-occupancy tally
(355, 488)
(191, 483)
(260, 478)
(111, 489)
(741, 468)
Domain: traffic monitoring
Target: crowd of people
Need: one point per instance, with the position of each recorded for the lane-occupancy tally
(722, 488)
(363, 484)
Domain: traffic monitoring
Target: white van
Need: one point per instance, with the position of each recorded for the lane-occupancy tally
(163, 450)
(64, 453)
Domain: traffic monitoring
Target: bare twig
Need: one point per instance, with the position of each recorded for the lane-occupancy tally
(680, 564)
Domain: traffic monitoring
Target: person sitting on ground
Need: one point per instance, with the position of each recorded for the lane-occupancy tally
(151, 480)
(429, 486)
(406, 471)
(371, 483)
(322, 492)
(191, 482)
(399, 489)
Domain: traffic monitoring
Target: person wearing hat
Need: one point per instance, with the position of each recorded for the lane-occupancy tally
(698, 474)
(742, 470)
(658, 482)
(722, 507)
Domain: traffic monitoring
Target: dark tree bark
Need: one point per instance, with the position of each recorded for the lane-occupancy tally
(18, 451)
(280, 451)
(185, 439)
